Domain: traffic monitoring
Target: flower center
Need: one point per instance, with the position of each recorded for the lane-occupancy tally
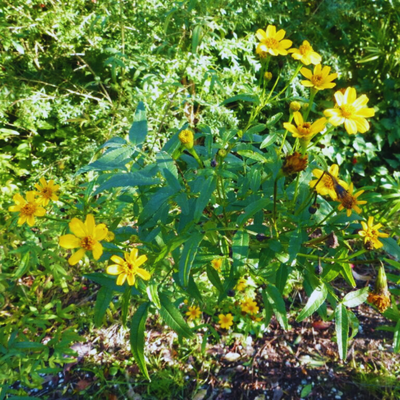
(327, 182)
(348, 201)
(46, 192)
(271, 43)
(347, 110)
(305, 49)
(304, 129)
(88, 243)
(28, 209)
(317, 80)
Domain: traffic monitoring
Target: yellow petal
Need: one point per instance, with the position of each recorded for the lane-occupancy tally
(366, 112)
(298, 118)
(133, 255)
(271, 31)
(90, 224)
(350, 126)
(30, 196)
(121, 279)
(336, 120)
(362, 124)
(69, 241)
(307, 83)
(306, 73)
(339, 98)
(118, 260)
(40, 211)
(280, 35)
(22, 219)
(76, 257)
(14, 208)
(334, 170)
(30, 220)
(78, 228)
(291, 128)
(100, 232)
(114, 269)
(19, 199)
(261, 35)
(131, 279)
(43, 181)
(361, 101)
(97, 250)
(285, 44)
(141, 260)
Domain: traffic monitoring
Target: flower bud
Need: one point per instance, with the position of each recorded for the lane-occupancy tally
(186, 138)
(380, 297)
(222, 153)
(268, 76)
(213, 163)
(295, 106)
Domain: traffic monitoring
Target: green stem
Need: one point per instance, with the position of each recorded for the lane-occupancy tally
(296, 190)
(291, 80)
(196, 156)
(313, 92)
(329, 130)
(285, 134)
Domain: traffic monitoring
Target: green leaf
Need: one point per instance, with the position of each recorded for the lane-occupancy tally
(391, 247)
(306, 390)
(152, 292)
(130, 179)
(268, 310)
(347, 274)
(213, 277)
(126, 301)
(166, 162)
(240, 249)
(206, 190)
(109, 282)
(23, 266)
(252, 155)
(173, 318)
(269, 140)
(393, 263)
(187, 257)
(252, 209)
(138, 324)
(342, 330)
(274, 119)
(193, 290)
(28, 345)
(138, 131)
(275, 298)
(104, 297)
(356, 297)
(196, 38)
(314, 302)
(396, 338)
(251, 98)
(256, 129)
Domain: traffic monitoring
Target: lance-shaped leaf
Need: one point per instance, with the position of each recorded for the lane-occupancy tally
(342, 330)
(274, 298)
(314, 302)
(173, 318)
(138, 325)
(138, 131)
(240, 249)
(213, 277)
(102, 302)
(356, 297)
(187, 257)
(206, 191)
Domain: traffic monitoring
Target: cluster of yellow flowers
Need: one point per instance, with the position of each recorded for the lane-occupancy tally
(32, 206)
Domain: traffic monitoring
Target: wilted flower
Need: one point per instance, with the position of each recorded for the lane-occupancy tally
(294, 163)
(186, 138)
(326, 185)
(320, 78)
(350, 201)
(86, 236)
(226, 321)
(193, 313)
(271, 42)
(306, 54)
(28, 209)
(350, 111)
(128, 268)
(304, 130)
(371, 234)
(46, 191)
(380, 297)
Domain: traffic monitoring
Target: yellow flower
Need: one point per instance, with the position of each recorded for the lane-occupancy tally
(28, 209)
(306, 54)
(241, 285)
(371, 234)
(350, 111)
(320, 78)
(271, 42)
(46, 191)
(226, 321)
(186, 138)
(128, 268)
(86, 236)
(304, 130)
(326, 186)
(193, 313)
(294, 163)
(110, 236)
(216, 264)
(350, 201)
(250, 306)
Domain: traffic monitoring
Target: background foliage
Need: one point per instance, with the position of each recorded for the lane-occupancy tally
(72, 75)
